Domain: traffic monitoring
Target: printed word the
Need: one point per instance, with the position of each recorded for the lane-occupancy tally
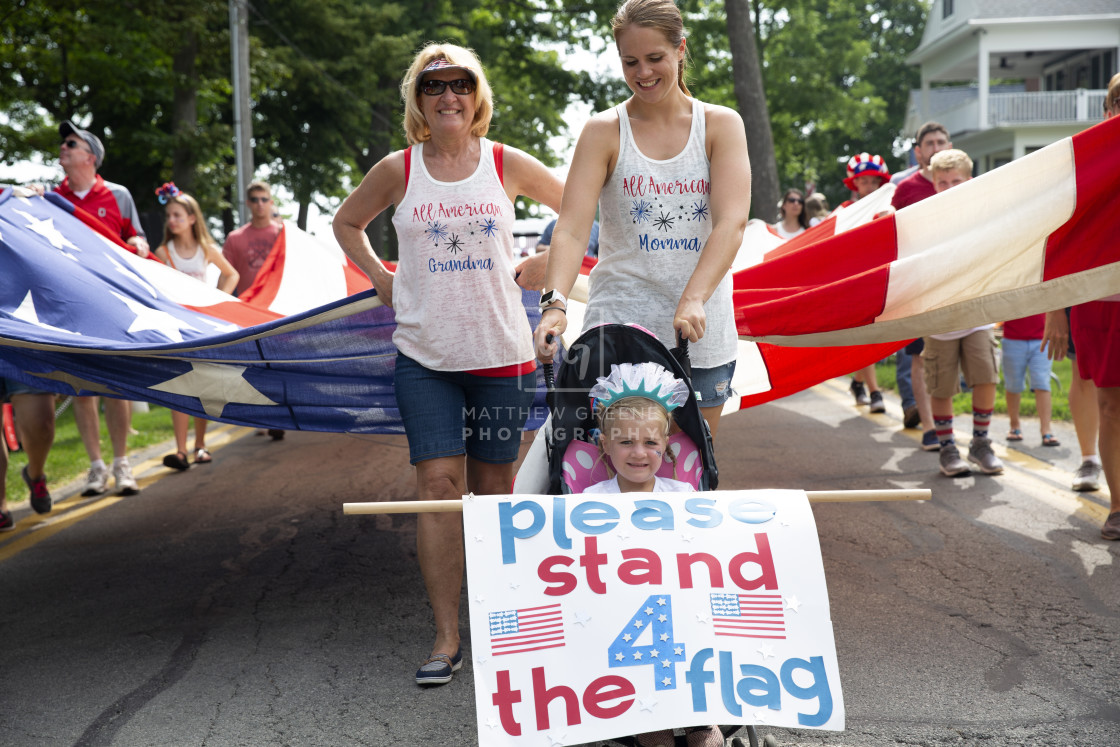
(597, 700)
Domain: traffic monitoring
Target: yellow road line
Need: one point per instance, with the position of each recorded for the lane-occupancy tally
(53, 525)
(1043, 479)
(33, 529)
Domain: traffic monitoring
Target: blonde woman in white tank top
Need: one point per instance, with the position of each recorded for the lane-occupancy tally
(671, 177)
(188, 247)
(461, 326)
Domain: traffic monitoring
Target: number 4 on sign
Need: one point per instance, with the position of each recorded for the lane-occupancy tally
(653, 625)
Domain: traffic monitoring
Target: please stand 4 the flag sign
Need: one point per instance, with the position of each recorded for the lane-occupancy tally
(601, 616)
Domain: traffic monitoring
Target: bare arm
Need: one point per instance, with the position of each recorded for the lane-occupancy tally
(228, 278)
(525, 175)
(731, 204)
(383, 186)
(595, 156)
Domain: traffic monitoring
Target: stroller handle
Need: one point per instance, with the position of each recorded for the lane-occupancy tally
(549, 378)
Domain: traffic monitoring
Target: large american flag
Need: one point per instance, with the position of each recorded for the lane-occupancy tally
(310, 349)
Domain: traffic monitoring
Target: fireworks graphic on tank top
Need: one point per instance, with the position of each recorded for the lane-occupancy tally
(436, 231)
(664, 222)
(454, 245)
(489, 227)
(641, 211)
(699, 211)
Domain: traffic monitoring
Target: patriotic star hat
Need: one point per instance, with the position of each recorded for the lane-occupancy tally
(442, 63)
(648, 380)
(865, 164)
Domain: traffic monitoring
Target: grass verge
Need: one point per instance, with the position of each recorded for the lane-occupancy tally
(962, 403)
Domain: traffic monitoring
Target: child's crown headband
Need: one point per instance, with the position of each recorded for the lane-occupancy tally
(648, 380)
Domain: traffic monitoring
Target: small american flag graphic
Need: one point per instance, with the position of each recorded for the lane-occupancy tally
(528, 629)
(749, 615)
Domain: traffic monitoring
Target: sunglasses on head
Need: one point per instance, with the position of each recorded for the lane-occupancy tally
(461, 86)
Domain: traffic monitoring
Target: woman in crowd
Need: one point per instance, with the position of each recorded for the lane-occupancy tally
(464, 376)
(792, 217)
(671, 176)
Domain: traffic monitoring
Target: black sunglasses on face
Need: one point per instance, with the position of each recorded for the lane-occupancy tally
(461, 86)
(795, 199)
(71, 144)
(256, 200)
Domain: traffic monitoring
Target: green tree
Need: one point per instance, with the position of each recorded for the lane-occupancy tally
(145, 80)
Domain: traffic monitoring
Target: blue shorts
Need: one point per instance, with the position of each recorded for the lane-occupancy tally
(448, 413)
(713, 385)
(12, 387)
(1019, 357)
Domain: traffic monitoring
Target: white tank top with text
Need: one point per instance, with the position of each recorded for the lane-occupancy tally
(655, 218)
(457, 305)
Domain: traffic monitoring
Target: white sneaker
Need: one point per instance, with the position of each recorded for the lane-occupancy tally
(122, 474)
(1088, 477)
(97, 480)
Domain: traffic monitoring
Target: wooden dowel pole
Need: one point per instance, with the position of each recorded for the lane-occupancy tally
(815, 496)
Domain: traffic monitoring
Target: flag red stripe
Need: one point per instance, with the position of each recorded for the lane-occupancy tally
(842, 280)
(237, 313)
(1089, 238)
(267, 283)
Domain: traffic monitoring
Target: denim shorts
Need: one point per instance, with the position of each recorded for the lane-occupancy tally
(1019, 357)
(448, 413)
(713, 385)
(11, 387)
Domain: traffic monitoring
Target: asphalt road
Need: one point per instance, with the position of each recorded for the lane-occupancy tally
(235, 604)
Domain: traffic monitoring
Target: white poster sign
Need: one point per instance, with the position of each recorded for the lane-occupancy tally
(595, 616)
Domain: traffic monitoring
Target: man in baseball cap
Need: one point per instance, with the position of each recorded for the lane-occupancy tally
(67, 128)
(81, 155)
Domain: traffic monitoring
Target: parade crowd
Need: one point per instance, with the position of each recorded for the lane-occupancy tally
(660, 133)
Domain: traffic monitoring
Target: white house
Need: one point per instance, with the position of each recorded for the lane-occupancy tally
(1007, 77)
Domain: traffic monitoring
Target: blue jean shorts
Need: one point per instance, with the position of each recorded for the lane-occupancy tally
(448, 413)
(11, 387)
(713, 385)
(1019, 357)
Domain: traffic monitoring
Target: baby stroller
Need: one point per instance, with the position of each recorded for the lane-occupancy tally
(573, 462)
(573, 457)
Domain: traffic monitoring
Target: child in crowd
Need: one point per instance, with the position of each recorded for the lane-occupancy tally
(866, 173)
(973, 351)
(816, 208)
(189, 248)
(1023, 351)
(633, 405)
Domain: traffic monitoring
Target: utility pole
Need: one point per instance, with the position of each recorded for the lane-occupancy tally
(242, 122)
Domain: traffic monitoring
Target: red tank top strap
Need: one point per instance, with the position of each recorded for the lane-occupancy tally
(499, 151)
